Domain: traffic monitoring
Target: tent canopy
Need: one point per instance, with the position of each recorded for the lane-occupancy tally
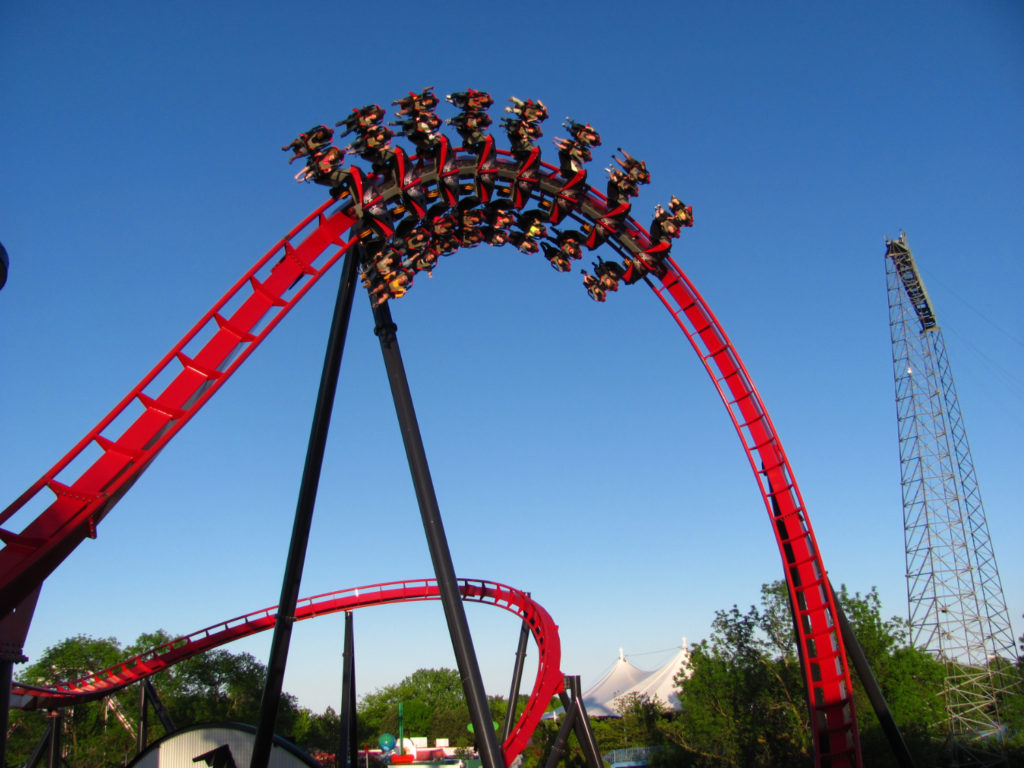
(602, 698)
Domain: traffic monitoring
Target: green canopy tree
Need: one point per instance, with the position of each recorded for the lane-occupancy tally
(215, 686)
(93, 733)
(433, 704)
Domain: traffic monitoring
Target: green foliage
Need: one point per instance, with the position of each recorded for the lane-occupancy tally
(92, 733)
(433, 704)
(744, 704)
(214, 686)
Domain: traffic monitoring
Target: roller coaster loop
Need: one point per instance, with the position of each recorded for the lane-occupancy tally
(371, 202)
(544, 630)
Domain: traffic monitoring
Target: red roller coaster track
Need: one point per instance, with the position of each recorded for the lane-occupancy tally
(201, 362)
(548, 682)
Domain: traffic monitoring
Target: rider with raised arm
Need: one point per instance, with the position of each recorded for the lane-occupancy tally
(424, 101)
(309, 142)
(682, 212)
(362, 119)
(529, 110)
(470, 100)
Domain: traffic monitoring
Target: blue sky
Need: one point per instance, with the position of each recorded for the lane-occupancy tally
(578, 450)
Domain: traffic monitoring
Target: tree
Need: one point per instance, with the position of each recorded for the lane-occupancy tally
(910, 679)
(215, 686)
(433, 704)
(744, 704)
(93, 734)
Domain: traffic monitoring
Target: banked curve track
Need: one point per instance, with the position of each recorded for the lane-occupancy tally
(232, 329)
(547, 684)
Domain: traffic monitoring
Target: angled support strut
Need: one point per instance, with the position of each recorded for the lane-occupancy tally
(437, 542)
(271, 700)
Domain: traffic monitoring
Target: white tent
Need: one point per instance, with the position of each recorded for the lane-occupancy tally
(660, 684)
(622, 677)
(601, 698)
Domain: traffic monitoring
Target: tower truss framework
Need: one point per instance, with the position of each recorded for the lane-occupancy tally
(957, 609)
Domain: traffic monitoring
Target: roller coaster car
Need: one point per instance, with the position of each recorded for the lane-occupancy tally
(558, 260)
(605, 278)
(362, 119)
(422, 131)
(572, 156)
(651, 260)
(392, 286)
(470, 100)
(447, 173)
(531, 224)
(635, 169)
(583, 132)
(621, 187)
(664, 226)
(529, 110)
(422, 261)
(500, 215)
(682, 212)
(410, 236)
(424, 101)
(533, 229)
(521, 135)
(470, 213)
(309, 142)
(495, 236)
(470, 237)
(569, 242)
(438, 220)
(470, 127)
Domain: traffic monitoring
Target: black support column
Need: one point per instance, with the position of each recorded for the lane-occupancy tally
(304, 513)
(437, 542)
(517, 677)
(347, 757)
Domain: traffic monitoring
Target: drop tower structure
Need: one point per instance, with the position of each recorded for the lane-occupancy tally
(957, 609)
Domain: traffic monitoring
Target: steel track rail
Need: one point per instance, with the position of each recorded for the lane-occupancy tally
(548, 683)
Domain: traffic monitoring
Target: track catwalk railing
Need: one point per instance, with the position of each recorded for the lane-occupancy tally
(826, 675)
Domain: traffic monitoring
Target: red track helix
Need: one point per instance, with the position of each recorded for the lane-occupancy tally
(225, 337)
(549, 681)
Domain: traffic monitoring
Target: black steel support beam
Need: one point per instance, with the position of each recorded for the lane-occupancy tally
(42, 746)
(437, 543)
(53, 756)
(517, 677)
(561, 746)
(292, 579)
(871, 687)
(347, 746)
(6, 678)
(158, 706)
(140, 741)
(13, 631)
(584, 733)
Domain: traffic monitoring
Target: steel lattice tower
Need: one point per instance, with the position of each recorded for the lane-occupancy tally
(957, 609)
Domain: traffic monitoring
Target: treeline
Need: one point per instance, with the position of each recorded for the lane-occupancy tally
(743, 705)
(215, 686)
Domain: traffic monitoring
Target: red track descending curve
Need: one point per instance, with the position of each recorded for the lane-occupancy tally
(221, 341)
(549, 681)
